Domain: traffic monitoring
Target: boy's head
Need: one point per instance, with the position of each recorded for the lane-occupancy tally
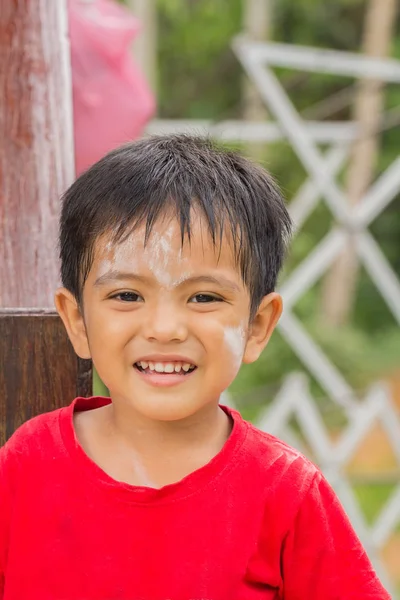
(170, 249)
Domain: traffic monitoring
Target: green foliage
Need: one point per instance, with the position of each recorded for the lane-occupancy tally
(199, 75)
(372, 497)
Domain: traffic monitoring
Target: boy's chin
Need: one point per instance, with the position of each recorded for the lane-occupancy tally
(169, 407)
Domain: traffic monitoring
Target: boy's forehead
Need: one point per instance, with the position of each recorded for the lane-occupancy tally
(165, 239)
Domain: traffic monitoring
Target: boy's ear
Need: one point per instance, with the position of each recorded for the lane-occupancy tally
(262, 326)
(70, 313)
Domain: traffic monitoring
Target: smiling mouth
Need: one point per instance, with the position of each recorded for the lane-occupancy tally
(167, 368)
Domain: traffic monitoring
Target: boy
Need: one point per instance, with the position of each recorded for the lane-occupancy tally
(170, 250)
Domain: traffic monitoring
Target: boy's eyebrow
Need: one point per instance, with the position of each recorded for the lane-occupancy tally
(221, 281)
(113, 275)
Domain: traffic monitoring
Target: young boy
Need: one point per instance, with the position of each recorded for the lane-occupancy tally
(170, 250)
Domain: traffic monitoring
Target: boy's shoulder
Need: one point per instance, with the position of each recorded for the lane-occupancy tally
(274, 463)
(34, 437)
(268, 447)
(48, 432)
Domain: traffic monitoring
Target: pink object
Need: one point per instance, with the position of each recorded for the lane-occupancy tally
(111, 99)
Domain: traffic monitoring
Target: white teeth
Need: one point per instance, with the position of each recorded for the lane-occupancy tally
(170, 367)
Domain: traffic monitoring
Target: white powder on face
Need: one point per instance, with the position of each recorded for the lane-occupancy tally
(180, 279)
(104, 267)
(118, 257)
(160, 259)
(124, 255)
(157, 255)
(235, 339)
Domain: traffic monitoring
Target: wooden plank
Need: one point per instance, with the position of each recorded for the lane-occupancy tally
(39, 368)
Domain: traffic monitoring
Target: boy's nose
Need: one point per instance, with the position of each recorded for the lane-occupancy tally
(165, 324)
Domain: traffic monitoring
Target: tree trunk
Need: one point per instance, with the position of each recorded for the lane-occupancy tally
(340, 284)
(256, 25)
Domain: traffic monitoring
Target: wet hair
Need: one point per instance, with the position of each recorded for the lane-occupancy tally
(139, 182)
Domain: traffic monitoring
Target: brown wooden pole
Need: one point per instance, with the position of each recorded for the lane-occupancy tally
(39, 370)
(340, 285)
(257, 27)
(36, 146)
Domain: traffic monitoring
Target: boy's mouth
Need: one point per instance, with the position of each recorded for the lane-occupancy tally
(165, 368)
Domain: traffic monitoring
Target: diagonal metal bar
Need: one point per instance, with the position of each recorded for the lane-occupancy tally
(279, 104)
(274, 417)
(312, 267)
(380, 194)
(380, 271)
(387, 520)
(358, 427)
(312, 425)
(390, 420)
(327, 375)
(308, 195)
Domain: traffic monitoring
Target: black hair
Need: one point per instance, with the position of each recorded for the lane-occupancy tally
(138, 182)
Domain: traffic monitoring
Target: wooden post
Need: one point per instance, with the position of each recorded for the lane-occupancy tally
(36, 146)
(256, 26)
(145, 45)
(340, 284)
(38, 367)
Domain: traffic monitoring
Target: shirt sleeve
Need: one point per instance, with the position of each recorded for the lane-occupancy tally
(323, 558)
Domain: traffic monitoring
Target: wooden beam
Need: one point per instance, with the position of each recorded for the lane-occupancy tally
(39, 368)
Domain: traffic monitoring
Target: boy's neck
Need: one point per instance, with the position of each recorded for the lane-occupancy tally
(163, 451)
(210, 426)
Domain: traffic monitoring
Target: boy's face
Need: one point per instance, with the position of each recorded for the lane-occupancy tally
(167, 326)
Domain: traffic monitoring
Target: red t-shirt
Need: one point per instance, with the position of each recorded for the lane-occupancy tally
(258, 522)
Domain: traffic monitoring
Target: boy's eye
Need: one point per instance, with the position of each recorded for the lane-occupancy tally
(128, 297)
(204, 298)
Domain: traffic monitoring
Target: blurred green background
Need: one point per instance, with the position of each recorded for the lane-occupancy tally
(199, 77)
